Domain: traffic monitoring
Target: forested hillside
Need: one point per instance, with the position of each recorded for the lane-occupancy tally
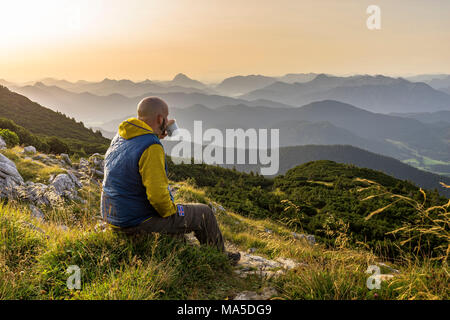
(45, 123)
(314, 195)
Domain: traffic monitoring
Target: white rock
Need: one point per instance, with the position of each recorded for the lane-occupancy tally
(75, 180)
(288, 263)
(29, 150)
(65, 157)
(308, 237)
(8, 169)
(2, 143)
(96, 161)
(64, 186)
(4, 159)
(392, 270)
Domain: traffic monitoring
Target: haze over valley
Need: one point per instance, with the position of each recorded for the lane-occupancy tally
(404, 118)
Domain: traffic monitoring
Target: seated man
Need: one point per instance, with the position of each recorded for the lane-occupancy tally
(136, 197)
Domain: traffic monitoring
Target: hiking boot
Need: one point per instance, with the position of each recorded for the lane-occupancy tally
(234, 257)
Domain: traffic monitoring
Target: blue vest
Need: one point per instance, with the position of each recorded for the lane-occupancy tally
(124, 200)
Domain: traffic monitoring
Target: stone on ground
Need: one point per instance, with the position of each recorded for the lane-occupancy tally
(29, 150)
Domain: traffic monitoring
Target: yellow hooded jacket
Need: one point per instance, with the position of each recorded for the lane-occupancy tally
(152, 168)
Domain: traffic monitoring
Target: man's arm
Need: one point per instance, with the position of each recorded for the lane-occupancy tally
(154, 178)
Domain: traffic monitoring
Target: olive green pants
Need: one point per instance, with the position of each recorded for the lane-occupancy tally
(197, 218)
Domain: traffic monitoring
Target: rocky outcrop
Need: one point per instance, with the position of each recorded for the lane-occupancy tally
(263, 267)
(96, 161)
(62, 187)
(65, 157)
(10, 178)
(91, 170)
(66, 185)
(2, 143)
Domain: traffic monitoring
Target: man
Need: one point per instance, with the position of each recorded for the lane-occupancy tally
(136, 197)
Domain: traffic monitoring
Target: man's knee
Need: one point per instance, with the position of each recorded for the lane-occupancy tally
(206, 211)
(201, 211)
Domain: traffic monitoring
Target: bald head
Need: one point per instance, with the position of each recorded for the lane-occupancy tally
(153, 111)
(149, 108)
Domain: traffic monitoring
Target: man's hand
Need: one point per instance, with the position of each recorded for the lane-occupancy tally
(164, 133)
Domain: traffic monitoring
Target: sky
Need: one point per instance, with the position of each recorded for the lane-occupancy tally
(211, 40)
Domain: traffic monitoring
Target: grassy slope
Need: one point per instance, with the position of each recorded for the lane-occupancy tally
(33, 264)
(320, 195)
(43, 121)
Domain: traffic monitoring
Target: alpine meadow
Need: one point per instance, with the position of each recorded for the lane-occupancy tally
(268, 151)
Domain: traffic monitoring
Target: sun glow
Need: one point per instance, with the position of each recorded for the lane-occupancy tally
(28, 22)
(140, 39)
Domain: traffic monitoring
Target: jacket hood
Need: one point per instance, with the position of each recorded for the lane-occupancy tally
(133, 127)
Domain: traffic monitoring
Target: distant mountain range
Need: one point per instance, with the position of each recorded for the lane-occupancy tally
(424, 145)
(327, 122)
(180, 83)
(427, 117)
(335, 110)
(239, 85)
(324, 122)
(373, 93)
(446, 90)
(426, 77)
(291, 157)
(97, 108)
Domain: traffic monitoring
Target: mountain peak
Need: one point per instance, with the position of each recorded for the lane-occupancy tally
(322, 76)
(181, 76)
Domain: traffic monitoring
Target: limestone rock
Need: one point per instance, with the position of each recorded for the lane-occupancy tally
(266, 268)
(29, 150)
(392, 270)
(96, 161)
(308, 237)
(10, 178)
(75, 180)
(65, 185)
(66, 159)
(2, 143)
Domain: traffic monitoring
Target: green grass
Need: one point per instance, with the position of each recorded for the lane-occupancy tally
(113, 266)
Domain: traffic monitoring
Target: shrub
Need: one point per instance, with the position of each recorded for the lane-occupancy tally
(25, 136)
(10, 137)
(57, 146)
